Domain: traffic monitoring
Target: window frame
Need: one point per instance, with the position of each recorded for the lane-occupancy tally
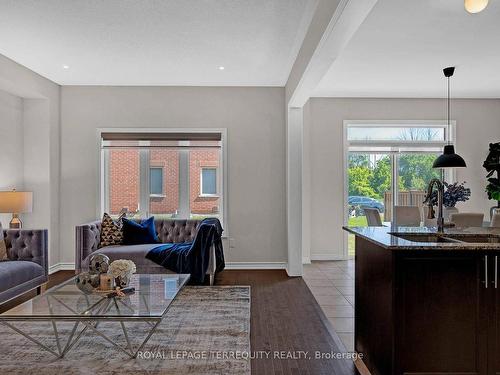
(222, 180)
(392, 147)
(209, 195)
(162, 193)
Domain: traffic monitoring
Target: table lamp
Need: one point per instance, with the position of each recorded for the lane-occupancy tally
(16, 202)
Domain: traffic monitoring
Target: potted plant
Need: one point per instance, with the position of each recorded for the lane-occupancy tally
(453, 193)
(492, 165)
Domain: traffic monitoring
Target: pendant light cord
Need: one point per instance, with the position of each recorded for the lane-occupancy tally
(449, 111)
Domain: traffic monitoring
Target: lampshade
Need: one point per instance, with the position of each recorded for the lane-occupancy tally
(475, 6)
(449, 159)
(16, 201)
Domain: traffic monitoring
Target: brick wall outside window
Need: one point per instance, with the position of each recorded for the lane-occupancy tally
(169, 161)
(197, 160)
(124, 181)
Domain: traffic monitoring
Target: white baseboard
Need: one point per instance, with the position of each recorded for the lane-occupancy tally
(326, 256)
(306, 260)
(229, 266)
(61, 267)
(255, 265)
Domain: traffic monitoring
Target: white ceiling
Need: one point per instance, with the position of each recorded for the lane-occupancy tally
(402, 46)
(156, 42)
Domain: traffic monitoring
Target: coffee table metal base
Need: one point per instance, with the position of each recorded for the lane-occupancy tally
(88, 324)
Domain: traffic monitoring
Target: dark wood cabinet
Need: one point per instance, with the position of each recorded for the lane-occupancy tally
(441, 314)
(426, 312)
(494, 326)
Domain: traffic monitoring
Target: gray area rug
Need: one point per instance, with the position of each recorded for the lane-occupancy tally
(204, 332)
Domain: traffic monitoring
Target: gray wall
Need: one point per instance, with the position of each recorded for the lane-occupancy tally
(478, 124)
(255, 119)
(12, 156)
(40, 149)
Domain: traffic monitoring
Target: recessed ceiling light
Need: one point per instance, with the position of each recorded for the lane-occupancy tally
(65, 67)
(221, 68)
(475, 6)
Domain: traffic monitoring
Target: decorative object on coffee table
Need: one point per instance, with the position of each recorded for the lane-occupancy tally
(16, 202)
(492, 165)
(87, 282)
(99, 263)
(106, 282)
(122, 270)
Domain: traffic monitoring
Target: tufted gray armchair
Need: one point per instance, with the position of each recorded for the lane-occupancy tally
(88, 237)
(27, 264)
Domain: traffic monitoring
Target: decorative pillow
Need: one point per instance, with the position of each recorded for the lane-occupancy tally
(3, 247)
(111, 230)
(139, 233)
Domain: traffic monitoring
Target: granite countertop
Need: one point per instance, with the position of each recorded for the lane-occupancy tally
(420, 238)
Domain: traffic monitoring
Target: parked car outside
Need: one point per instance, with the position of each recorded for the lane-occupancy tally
(356, 204)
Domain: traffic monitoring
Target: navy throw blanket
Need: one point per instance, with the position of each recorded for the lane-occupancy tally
(192, 257)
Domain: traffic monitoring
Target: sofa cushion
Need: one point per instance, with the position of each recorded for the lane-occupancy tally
(17, 272)
(135, 253)
(139, 233)
(111, 230)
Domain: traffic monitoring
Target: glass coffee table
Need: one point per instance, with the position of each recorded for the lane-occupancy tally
(153, 296)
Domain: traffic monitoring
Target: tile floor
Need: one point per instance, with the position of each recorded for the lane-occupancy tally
(332, 284)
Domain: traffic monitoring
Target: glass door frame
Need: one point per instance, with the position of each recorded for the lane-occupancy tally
(392, 148)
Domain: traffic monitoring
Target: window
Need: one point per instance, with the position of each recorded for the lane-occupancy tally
(167, 173)
(389, 163)
(156, 181)
(397, 133)
(208, 181)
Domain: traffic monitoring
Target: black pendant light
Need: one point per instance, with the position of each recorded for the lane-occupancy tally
(449, 159)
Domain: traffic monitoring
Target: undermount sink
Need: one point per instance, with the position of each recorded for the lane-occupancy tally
(448, 238)
(475, 238)
(424, 237)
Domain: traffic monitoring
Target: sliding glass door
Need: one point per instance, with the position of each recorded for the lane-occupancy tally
(369, 182)
(388, 165)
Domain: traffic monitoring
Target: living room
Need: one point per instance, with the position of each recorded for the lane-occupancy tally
(230, 123)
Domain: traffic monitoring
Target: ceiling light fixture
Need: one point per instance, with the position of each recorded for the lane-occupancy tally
(65, 67)
(449, 159)
(475, 6)
(221, 68)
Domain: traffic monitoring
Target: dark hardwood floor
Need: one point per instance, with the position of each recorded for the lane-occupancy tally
(284, 317)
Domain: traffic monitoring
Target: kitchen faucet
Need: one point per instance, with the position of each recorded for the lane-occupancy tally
(428, 200)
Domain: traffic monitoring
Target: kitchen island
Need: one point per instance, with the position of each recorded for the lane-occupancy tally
(427, 302)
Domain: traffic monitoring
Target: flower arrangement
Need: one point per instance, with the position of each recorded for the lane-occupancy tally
(453, 193)
(122, 268)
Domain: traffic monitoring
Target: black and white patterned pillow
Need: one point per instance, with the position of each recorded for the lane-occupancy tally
(111, 230)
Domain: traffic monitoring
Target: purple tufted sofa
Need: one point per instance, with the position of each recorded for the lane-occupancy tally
(27, 264)
(88, 238)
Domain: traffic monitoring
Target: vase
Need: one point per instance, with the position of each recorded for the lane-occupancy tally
(447, 211)
(122, 281)
(495, 210)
